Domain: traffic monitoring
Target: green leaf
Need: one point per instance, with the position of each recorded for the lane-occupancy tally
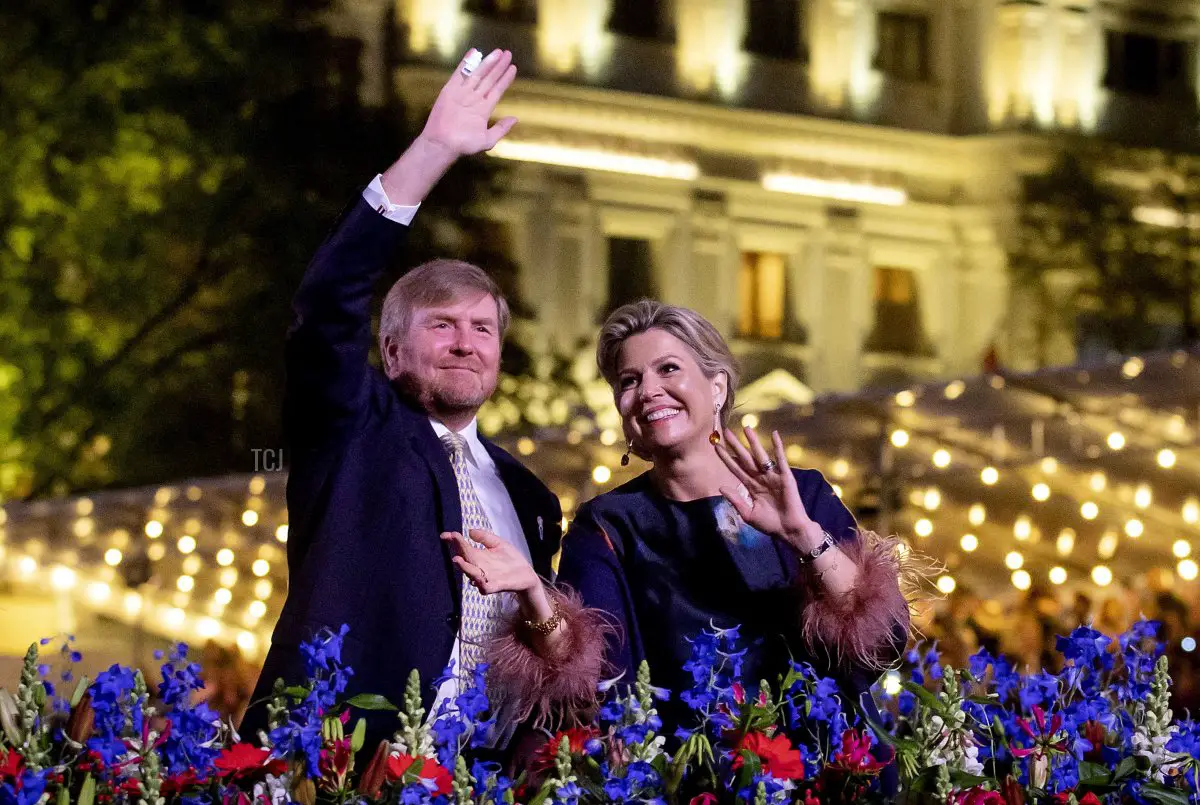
(895, 741)
(64, 796)
(359, 735)
(1163, 795)
(1126, 767)
(751, 767)
(1093, 773)
(9, 720)
(371, 701)
(80, 689)
(296, 691)
(962, 779)
(926, 698)
(87, 792)
(542, 795)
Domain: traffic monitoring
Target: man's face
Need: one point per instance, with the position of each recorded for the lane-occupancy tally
(450, 357)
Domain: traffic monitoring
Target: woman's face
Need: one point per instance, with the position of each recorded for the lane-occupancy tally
(666, 402)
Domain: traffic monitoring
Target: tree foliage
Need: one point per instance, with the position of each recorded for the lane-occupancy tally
(1099, 268)
(166, 170)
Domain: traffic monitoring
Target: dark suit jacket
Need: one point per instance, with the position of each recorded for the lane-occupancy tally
(370, 489)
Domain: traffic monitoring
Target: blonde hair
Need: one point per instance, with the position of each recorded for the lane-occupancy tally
(436, 283)
(695, 331)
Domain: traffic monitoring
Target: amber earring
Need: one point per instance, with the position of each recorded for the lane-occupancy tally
(714, 438)
(628, 450)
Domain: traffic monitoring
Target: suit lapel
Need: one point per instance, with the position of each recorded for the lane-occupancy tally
(426, 444)
(525, 499)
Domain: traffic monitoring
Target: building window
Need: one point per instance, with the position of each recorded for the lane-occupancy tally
(773, 29)
(903, 45)
(641, 19)
(761, 295)
(512, 10)
(898, 326)
(1147, 65)
(630, 271)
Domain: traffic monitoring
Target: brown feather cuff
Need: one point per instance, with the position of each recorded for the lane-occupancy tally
(862, 625)
(556, 688)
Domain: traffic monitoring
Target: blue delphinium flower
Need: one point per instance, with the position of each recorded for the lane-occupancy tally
(824, 700)
(568, 793)
(116, 714)
(190, 742)
(415, 793)
(1139, 635)
(301, 734)
(715, 664)
(462, 718)
(25, 792)
(1086, 646)
(489, 782)
(1039, 690)
(1186, 738)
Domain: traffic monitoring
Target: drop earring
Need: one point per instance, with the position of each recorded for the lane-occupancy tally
(714, 438)
(628, 450)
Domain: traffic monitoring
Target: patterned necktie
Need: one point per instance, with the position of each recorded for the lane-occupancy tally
(480, 613)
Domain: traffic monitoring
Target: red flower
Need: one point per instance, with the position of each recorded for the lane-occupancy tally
(335, 762)
(854, 756)
(977, 796)
(1062, 797)
(11, 764)
(1014, 794)
(543, 758)
(430, 769)
(175, 783)
(778, 757)
(1095, 734)
(243, 759)
(1044, 742)
(707, 798)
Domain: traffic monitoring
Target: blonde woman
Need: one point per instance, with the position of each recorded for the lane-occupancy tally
(715, 533)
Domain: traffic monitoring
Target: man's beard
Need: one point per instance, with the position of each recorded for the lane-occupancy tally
(439, 397)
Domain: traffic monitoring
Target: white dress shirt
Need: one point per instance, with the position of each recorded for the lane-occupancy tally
(374, 195)
(498, 506)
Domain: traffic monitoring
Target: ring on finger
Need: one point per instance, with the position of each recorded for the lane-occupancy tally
(471, 64)
(770, 465)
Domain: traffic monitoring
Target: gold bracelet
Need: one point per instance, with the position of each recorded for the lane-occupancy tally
(547, 626)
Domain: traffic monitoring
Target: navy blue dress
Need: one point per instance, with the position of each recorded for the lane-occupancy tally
(665, 570)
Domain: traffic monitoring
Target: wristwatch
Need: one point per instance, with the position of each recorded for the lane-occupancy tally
(806, 557)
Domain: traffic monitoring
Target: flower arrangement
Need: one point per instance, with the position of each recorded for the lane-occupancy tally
(1099, 731)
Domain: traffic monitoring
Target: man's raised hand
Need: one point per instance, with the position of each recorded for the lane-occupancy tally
(458, 121)
(457, 126)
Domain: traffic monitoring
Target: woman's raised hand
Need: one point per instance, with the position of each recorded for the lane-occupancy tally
(771, 502)
(496, 567)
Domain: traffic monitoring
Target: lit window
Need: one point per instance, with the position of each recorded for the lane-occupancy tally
(773, 29)
(761, 285)
(898, 326)
(641, 19)
(630, 271)
(512, 10)
(903, 45)
(1141, 64)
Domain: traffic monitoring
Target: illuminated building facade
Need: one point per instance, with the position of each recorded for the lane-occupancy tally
(828, 180)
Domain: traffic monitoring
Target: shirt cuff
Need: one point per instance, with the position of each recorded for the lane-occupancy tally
(374, 195)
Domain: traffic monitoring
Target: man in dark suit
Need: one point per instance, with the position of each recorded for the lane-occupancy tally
(385, 463)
